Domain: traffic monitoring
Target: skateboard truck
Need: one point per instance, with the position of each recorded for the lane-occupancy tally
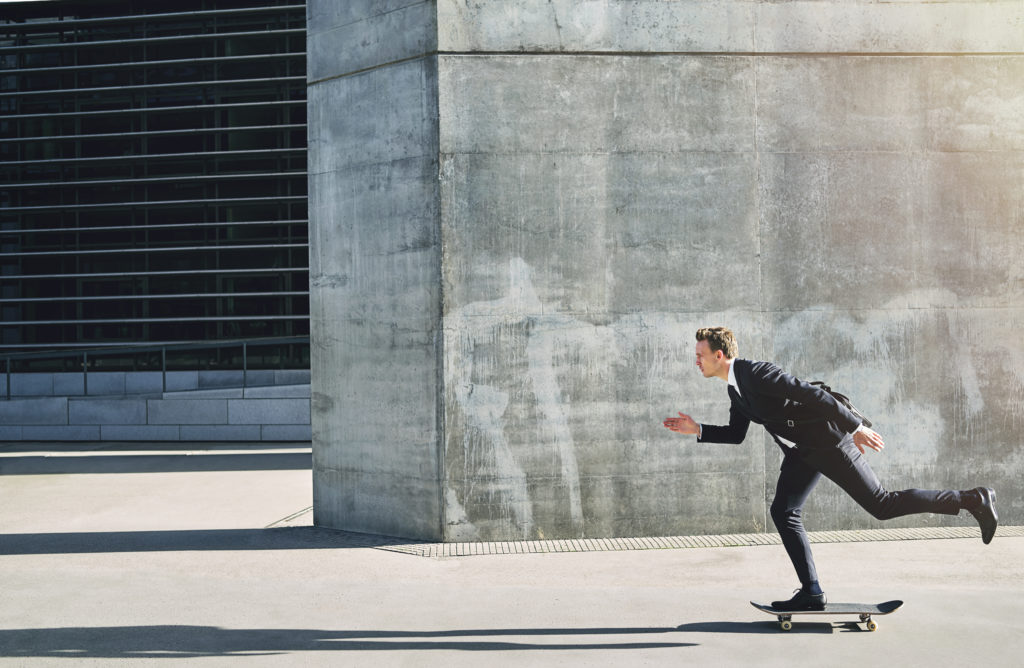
(786, 622)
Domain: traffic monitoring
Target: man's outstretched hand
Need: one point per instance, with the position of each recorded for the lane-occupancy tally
(867, 438)
(684, 424)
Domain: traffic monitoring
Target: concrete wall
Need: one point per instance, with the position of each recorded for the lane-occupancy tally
(375, 294)
(521, 211)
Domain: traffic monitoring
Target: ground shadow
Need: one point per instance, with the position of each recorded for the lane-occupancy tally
(763, 627)
(729, 627)
(118, 642)
(280, 538)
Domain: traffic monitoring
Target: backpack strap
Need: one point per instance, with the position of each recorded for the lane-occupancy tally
(845, 401)
(840, 397)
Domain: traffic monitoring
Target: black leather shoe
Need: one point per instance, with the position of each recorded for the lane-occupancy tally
(985, 512)
(802, 601)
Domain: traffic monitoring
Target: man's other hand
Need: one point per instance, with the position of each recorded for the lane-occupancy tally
(867, 438)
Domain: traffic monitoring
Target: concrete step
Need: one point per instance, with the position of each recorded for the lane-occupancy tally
(134, 383)
(250, 416)
(262, 392)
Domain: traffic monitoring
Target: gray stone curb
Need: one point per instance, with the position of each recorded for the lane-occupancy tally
(441, 550)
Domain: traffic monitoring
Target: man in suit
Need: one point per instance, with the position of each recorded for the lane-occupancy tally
(818, 436)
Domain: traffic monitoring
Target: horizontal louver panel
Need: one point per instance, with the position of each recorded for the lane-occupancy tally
(154, 162)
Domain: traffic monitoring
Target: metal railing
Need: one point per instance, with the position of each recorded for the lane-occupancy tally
(89, 355)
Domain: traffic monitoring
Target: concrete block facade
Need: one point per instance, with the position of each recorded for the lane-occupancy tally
(117, 383)
(48, 410)
(179, 418)
(107, 411)
(521, 212)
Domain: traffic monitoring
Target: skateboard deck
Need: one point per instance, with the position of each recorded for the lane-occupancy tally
(865, 612)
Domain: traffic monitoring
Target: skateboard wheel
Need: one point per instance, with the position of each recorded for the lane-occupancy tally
(786, 625)
(872, 625)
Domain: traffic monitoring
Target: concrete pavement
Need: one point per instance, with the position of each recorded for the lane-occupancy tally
(204, 555)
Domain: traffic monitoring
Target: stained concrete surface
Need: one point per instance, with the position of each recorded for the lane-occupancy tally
(169, 561)
(522, 210)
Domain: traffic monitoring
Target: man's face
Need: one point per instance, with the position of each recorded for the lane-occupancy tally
(709, 363)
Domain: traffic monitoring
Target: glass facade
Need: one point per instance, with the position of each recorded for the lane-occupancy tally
(153, 156)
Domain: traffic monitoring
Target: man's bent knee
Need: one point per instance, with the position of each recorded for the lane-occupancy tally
(882, 507)
(786, 518)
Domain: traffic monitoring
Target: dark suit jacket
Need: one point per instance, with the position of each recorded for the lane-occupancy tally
(769, 396)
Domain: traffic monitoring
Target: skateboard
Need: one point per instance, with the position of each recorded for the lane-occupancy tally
(864, 610)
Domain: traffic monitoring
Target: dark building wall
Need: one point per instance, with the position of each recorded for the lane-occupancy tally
(154, 162)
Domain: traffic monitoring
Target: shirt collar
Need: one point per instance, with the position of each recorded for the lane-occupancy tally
(732, 377)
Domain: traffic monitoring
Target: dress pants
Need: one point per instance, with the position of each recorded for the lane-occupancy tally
(844, 465)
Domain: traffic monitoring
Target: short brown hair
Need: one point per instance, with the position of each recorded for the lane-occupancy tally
(719, 338)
